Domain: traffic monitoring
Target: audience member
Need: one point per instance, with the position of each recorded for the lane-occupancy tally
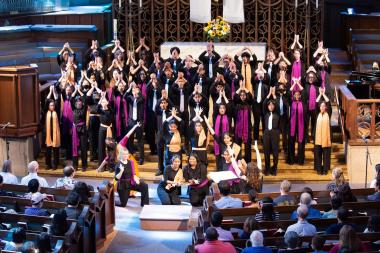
(291, 240)
(349, 241)
(305, 199)
(6, 173)
(2, 192)
(36, 208)
(67, 182)
(216, 222)
(373, 182)
(267, 212)
(33, 170)
(317, 244)
(29, 247)
(257, 241)
(373, 224)
(18, 239)
(335, 202)
(59, 225)
(43, 243)
(340, 187)
(33, 188)
(302, 227)
(212, 244)
(342, 217)
(310, 191)
(250, 224)
(376, 195)
(226, 201)
(72, 209)
(84, 192)
(285, 199)
(252, 196)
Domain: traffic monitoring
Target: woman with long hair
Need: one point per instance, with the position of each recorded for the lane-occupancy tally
(195, 173)
(348, 241)
(267, 212)
(170, 186)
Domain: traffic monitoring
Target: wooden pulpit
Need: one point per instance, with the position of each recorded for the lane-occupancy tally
(19, 101)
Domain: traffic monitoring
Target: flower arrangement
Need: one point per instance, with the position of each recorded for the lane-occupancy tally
(217, 29)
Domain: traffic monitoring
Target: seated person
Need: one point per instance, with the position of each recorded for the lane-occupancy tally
(257, 241)
(342, 217)
(267, 212)
(212, 244)
(317, 244)
(313, 213)
(373, 226)
(36, 208)
(18, 239)
(335, 202)
(6, 173)
(84, 192)
(33, 188)
(250, 224)
(348, 241)
(226, 201)
(373, 182)
(59, 225)
(216, 222)
(302, 227)
(291, 240)
(253, 198)
(285, 199)
(310, 191)
(340, 187)
(33, 170)
(67, 182)
(2, 192)
(72, 209)
(29, 247)
(44, 243)
(376, 195)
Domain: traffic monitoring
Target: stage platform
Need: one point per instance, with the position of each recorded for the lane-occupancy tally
(158, 217)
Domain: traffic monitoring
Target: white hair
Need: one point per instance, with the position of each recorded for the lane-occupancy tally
(305, 199)
(33, 166)
(257, 239)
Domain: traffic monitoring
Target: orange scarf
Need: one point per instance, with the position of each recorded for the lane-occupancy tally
(175, 143)
(247, 82)
(56, 141)
(201, 138)
(322, 130)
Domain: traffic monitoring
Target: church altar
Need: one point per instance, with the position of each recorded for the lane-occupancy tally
(196, 48)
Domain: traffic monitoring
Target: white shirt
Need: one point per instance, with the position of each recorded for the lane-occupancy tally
(302, 228)
(134, 113)
(167, 85)
(270, 121)
(163, 116)
(9, 178)
(154, 99)
(182, 101)
(25, 180)
(270, 70)
(210, 74)
(281, 106)
(200, 83)
(259, 92)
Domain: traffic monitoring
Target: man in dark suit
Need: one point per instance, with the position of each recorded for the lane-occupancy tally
(260, 87)
(175, 60)
(210, 60)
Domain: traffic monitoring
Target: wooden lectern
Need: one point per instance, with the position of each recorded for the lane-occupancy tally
(19, 101)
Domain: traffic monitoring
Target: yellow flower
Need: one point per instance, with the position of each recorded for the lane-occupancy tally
(218, 27)
(212, 34)
(205, 29)
(219, 33)
(226, 29)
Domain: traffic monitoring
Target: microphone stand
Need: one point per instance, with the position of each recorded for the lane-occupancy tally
(368, 157)
(4, 127)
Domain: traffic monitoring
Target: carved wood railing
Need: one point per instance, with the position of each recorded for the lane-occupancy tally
(361, 117)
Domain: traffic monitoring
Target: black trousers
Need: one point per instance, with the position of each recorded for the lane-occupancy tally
(102, 144)
(48, 157)
(168, 197)
(83, 150)
(93, 130)
(68, 145)
(150, 131)
(271, 143)
(310, 121)
(160, 151)
(284, 130)
(300, 151)
(247, 147)
(258, 116)
(139, 135)
(124, 189)
(197, 195)
(322, 155)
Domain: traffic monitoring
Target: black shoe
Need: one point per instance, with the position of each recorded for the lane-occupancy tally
(159, 173)
(266, 173)
(141, 161)
(153, 152)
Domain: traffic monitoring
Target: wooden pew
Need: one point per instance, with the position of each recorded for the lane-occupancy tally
(57, 242)
(321, 196)
(86, 219)
(73, 237)
(371, 207)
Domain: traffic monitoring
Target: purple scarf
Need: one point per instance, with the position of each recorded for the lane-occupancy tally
(241, 130)
(124, 141)
(233, 181)
(75, 138)
(295, 105)
(296, 73)
(109, 94)
(202, 184)
(233, 88)
(67, 117)
(225, 128)
(323, 76)
(119, 102)
(312, 97)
